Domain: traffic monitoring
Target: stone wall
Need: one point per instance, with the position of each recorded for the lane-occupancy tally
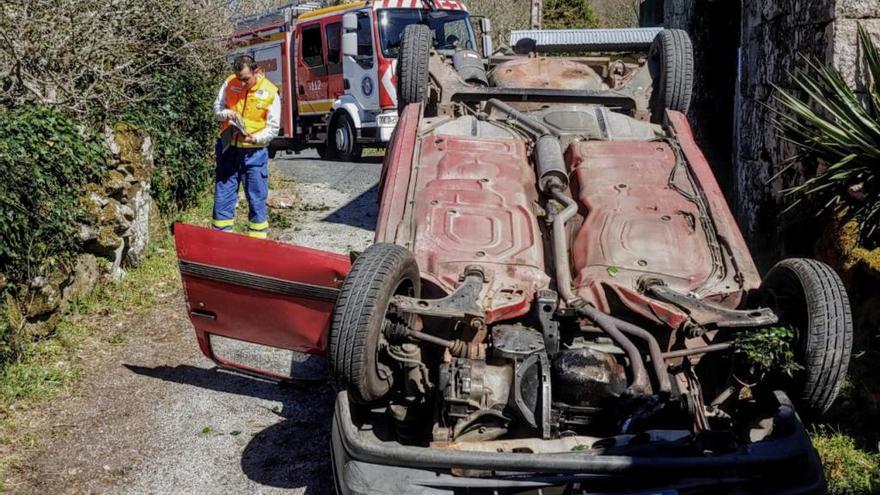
(115, 231)
(742, 50)
(775, 35)
(714, 29)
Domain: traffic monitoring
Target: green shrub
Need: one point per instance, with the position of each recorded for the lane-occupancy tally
(568, 14)
(46, 160)
(849, 470)
(178, 116)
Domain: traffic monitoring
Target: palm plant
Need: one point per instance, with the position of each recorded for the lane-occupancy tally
(841, 129)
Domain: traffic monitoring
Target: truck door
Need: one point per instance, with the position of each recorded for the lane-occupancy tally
(259, 292)
(333, 35)
(311, 73)
(360, 72)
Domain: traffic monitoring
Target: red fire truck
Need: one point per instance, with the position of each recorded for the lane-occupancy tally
(335, 66)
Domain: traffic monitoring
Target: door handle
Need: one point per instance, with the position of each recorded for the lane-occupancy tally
(200, 313)
(346, 84)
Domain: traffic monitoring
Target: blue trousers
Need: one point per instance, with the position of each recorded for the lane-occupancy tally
(250, 168)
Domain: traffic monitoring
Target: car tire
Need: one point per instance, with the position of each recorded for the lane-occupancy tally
(343, 144)
(671, 65)
(412, 65)
(808, 296)
(360, 317)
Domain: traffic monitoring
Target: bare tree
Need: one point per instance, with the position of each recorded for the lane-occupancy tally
(506, 16)
(617, 13)
(84, 55)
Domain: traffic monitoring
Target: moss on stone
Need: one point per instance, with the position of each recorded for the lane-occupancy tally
(107, 238)
(114, 181)
(131, 142)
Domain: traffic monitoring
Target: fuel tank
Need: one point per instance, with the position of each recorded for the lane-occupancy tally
(545, 72)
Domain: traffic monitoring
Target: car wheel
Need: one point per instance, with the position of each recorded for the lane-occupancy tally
(357, 362)
(808, 296)
(671, 64)
(343, 137)
(412, 65)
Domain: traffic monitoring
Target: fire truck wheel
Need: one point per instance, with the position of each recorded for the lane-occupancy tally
(324, 152)
(412, 65)
(671, 64)
(343, 139)
(359, 362)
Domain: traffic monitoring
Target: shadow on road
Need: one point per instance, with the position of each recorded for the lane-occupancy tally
(361, 212)
(293, 453)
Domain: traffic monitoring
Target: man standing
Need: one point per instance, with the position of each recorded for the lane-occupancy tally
(249, 102)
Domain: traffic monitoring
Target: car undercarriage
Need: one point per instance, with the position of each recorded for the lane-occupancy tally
(557, 295)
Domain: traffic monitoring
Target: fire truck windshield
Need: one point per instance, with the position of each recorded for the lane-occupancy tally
(451, 28)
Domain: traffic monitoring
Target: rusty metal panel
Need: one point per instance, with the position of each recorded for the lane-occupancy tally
(725, 223)
(545, 72)
(396, 171)
(474, 204)
(638, 223)
(653, 215)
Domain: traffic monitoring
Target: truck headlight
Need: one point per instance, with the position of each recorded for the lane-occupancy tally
(387, 120)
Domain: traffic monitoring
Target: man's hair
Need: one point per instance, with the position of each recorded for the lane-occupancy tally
(244, 62)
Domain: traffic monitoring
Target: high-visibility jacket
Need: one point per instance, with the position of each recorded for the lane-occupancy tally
(251, 104)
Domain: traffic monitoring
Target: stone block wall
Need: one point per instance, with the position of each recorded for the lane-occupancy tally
(736, 73)
(775, 37)
(714, 29)
(115, 231)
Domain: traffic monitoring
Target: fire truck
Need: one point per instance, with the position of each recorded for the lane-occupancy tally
(335, 66)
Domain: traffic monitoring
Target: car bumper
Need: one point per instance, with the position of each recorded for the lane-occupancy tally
(364, 464)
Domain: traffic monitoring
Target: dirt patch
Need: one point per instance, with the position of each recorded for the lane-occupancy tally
(153, 416)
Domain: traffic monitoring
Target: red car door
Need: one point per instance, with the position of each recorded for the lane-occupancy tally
(257, 291)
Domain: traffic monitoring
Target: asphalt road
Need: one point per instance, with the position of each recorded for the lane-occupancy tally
(156, 417)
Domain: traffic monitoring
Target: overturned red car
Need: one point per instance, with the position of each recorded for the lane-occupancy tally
(556, 292)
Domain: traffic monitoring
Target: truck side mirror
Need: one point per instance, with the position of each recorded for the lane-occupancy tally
(350, 45)
(487, 46)
(485, 25)
(350, 22)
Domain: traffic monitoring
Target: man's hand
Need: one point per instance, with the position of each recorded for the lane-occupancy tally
(249, 138)
(229, 115)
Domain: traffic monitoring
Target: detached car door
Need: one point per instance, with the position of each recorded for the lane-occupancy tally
(257, 291)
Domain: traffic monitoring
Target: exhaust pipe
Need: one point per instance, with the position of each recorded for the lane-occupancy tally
(553, 180)
(549, 162)
(640, 384)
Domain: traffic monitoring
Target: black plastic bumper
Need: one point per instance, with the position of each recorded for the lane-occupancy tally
(364, 464)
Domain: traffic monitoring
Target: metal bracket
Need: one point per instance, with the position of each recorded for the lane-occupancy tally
(704, 313)
(548, 301)
(541, 363)
(463, 303)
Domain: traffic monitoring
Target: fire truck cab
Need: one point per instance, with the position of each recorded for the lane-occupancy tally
(335, 66)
